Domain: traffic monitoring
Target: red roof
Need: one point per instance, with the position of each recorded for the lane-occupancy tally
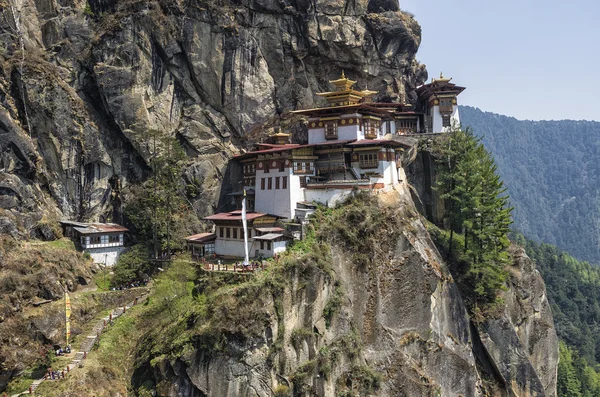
(202, 237)
(234, 216)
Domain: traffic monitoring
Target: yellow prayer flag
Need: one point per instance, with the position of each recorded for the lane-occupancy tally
(67, 306)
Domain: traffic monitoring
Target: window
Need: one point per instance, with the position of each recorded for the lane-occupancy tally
(302, 181)
(445, 120)
(406, 126)
(209, 248)
(331, 130)
(371, 127)
(368, 160)
(104, 239)
(262, 183)
(446, 105)
(281, 166)
(242, 233)
(228, 233)
(276, 182)
(284, 183)
(221, 231)
(270, 183)
(95, 240)
(266, 167)
(235, 232)
(262, 245)
(113, 238)
(268, 245)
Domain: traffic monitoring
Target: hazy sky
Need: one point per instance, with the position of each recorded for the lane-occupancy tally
(530, 59)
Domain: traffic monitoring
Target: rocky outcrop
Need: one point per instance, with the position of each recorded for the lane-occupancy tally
(82, 82)
(381, 316)
(529, 366)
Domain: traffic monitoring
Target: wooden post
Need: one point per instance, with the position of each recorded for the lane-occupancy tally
(68, 369)
(30, 389)
(84, 355)
(104, 323)
(110, 317)
(124, 309)
(135, 301)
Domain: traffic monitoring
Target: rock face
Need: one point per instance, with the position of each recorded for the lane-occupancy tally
(386, 319)
(81, 82)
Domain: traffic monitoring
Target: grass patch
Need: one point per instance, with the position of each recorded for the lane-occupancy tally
(61, 244)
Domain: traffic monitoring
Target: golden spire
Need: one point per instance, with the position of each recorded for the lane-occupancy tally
(343, 75)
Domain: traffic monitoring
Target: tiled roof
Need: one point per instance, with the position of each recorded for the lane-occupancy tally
(94, 228)
(234, 216)
(201, 237)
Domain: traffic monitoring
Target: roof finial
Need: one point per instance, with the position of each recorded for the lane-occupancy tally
(441, 75)
(343, 75)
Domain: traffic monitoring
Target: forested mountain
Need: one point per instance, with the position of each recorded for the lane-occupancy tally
(552, 172)
(573, 289)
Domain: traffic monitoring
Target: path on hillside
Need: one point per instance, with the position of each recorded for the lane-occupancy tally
(87, 344)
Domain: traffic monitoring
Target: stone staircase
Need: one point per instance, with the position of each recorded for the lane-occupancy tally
(87, 344)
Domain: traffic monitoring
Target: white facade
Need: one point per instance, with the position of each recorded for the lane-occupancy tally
(234, 247)
(438, 122)
(278, 200)
(103, 248)
(105, 256)
(329, 196)
(349, 127)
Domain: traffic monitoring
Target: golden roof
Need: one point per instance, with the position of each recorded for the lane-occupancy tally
(343, 84)
(442, 79)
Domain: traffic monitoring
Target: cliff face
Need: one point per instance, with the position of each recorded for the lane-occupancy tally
(81, 83)
(374, 311)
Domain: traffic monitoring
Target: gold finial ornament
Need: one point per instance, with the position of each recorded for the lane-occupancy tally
(343, 75)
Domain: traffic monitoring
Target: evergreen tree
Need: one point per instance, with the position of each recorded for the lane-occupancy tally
(475, 206)
(160, 200)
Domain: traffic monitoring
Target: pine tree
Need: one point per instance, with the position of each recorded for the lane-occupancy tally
(477, 207)
(157, 201)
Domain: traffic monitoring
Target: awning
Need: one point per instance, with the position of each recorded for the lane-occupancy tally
(268, 237)
(270, 229)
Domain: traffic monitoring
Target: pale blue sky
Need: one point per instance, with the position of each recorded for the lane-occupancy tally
(530, 59)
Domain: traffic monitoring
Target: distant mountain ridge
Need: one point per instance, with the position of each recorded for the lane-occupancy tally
(552, 171)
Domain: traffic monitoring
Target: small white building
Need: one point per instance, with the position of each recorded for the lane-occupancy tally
(439, 104)
(265, 239)
(201, 245)
(103, 241)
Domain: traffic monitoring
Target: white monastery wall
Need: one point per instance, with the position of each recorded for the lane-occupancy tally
(230, 247)
(107, 255)
(316, 135)
(331, 197)
(438, 122)
(274, 201)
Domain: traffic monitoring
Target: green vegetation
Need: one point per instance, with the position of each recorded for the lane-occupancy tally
(157, 210)
(476, 215)
(552, 172)
(573, 289)
(132, 265)
(574, 293)
(576, 378)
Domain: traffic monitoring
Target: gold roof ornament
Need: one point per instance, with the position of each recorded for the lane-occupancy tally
(442, 79)
(343, 83)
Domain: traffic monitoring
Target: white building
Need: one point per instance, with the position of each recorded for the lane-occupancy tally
(439, 104)
(350, 146)
(265, 239)
(103, 241)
